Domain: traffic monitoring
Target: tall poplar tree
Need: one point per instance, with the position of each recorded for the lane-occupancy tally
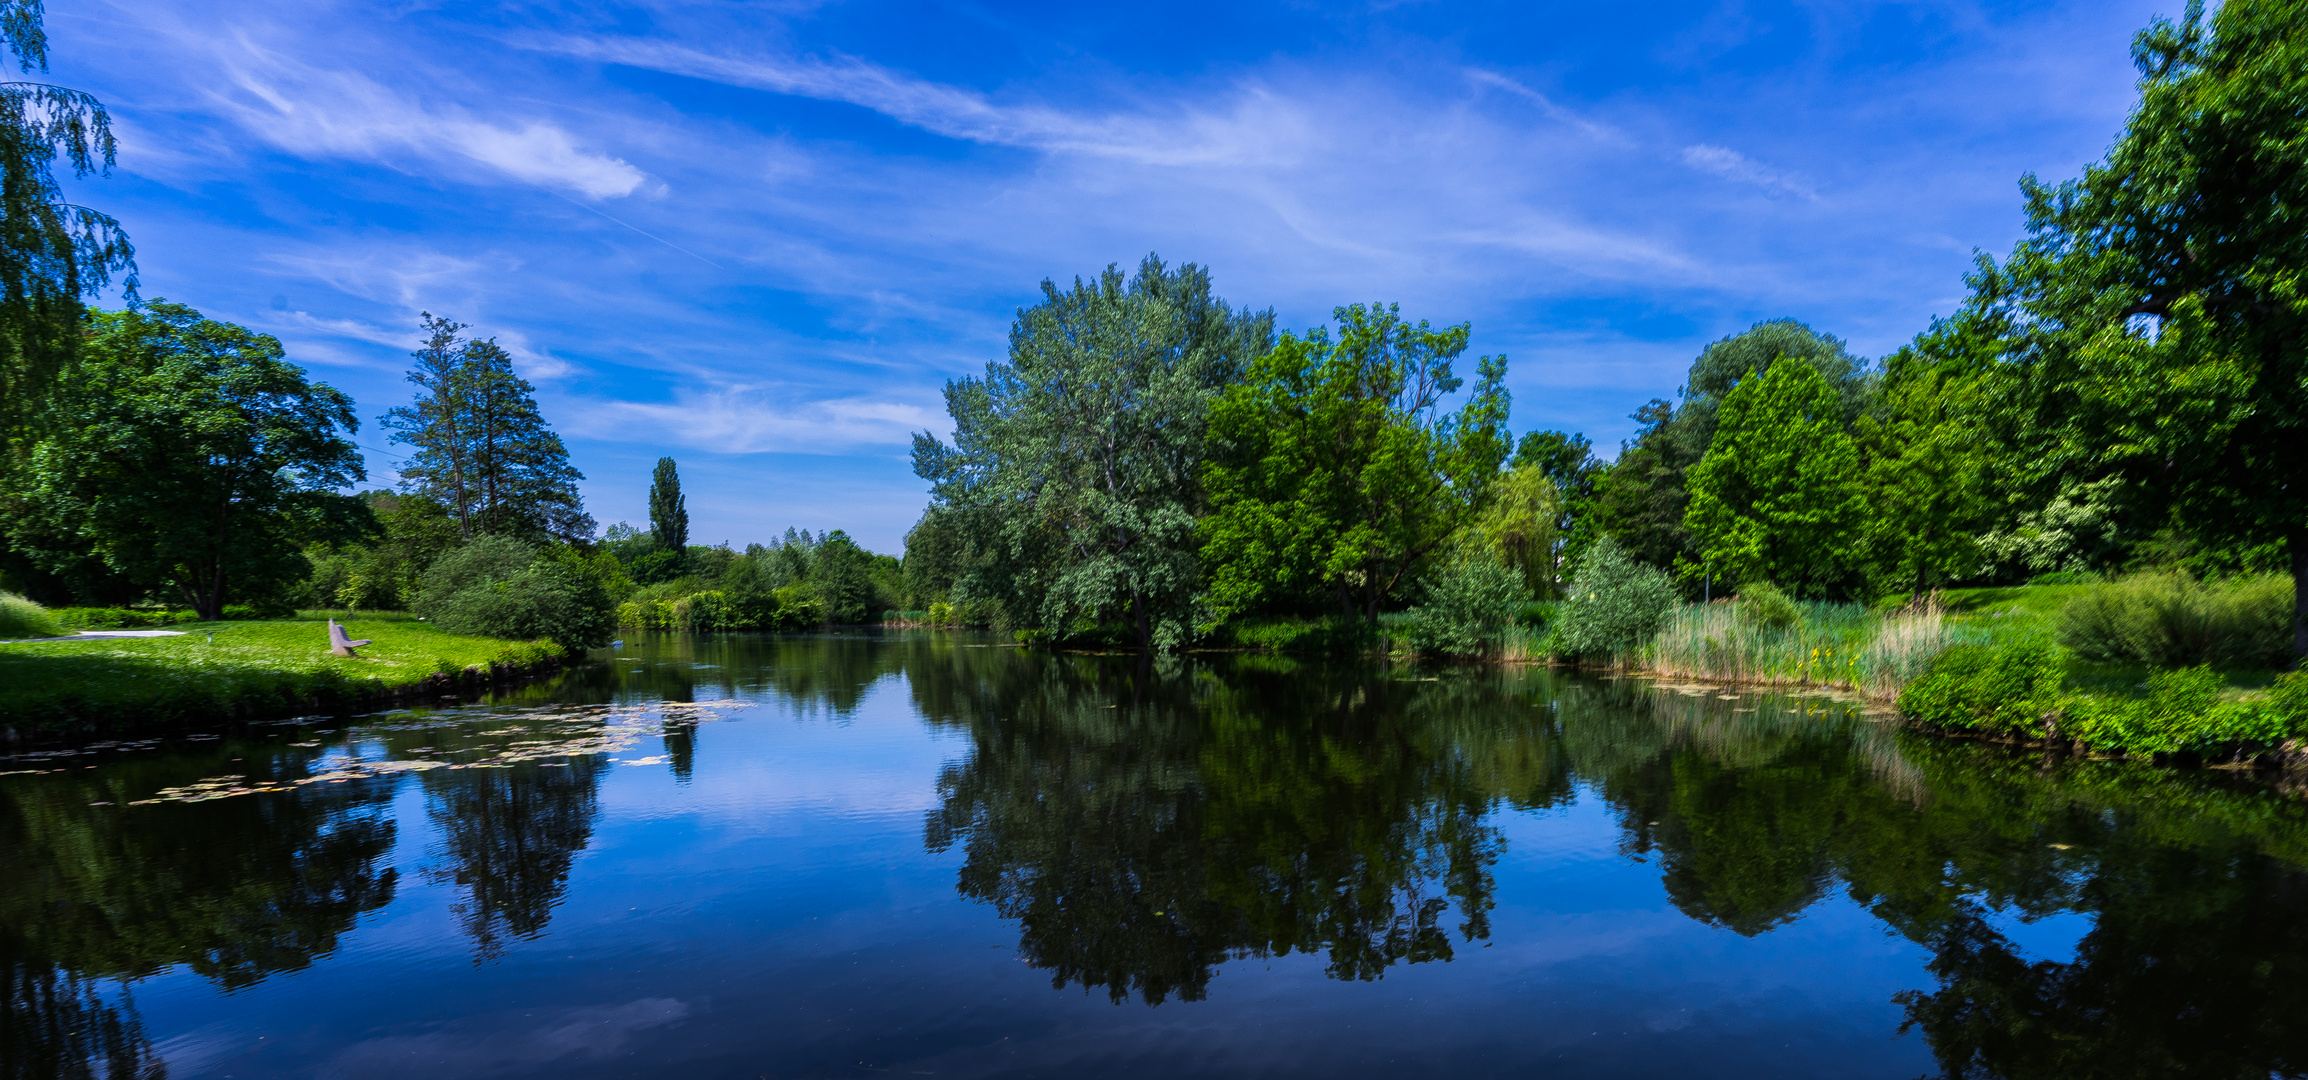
(668, 511)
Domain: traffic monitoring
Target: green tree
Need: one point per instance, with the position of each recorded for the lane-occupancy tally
(1779, 495)
(188, 454)
(52, 252)
(482, 447)
(1644, 498)
(1927, 489)
(668, 511)
(1074, 475)
(1520, 525)
(2157, 307)
(1569, 462)
(1343, 474)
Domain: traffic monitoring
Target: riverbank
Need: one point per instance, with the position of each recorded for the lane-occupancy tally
(243, 671)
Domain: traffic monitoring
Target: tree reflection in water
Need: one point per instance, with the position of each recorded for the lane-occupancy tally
(510, 835)
(236, 890)
(1146, 822)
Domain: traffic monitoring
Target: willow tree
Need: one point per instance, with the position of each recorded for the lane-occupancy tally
(2157, 311)
(1074, 477)
(52, 252)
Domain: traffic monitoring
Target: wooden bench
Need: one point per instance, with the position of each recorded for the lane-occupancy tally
(340, 644)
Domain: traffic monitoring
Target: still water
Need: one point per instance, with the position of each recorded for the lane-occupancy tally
(924, 855)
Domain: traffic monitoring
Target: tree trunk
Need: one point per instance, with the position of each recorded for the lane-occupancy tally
(2297, 540)
(1145, 635)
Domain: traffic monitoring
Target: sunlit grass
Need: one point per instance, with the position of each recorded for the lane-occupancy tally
(224, 669)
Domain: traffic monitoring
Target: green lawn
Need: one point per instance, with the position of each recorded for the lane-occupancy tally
(219, 670)
(2035, 609)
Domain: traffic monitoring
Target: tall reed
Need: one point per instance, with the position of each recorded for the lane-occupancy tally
(1835, 645)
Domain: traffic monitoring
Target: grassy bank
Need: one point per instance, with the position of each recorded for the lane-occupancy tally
(242, 670)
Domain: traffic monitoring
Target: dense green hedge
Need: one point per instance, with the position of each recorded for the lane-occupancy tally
(2014, 689)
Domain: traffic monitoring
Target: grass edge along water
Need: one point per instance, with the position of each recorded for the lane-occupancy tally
(245, 670)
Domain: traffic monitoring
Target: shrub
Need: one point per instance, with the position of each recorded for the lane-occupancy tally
(1762, 604)
(21, 618)
(495, 586)
(1468, 607)
(941, 613)
(2172, 620)
(1616, 603)
(88, 618)
(2005, 688)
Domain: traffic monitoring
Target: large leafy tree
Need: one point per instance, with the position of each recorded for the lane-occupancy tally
(52, 252)
(482, 447)
(1073, 480)
(2158, 307)
(1643, 498)
(188, 454)
(1778, 497)
(1343, 474)
(1928, 459)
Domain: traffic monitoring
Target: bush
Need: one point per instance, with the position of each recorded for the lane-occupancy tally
(2172, 620)
(92, 618)
(497, 587)
(21, 618)
(1762, 604)
(1469, 607)
(1616, 603)
(2006, 688)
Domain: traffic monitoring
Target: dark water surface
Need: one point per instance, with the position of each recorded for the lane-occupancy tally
(746, 856)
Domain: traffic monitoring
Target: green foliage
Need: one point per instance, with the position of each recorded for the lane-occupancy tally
(1762, 604)
(1341, 474)
(21, 618)
(2157, 308)
(1927, 465)
(2006, 688)
(1643, 499)
(1469, 607)
(381, 573)
(93, 618)
(1568, 461)
(2172, 620)
(187, 454)
(481, 447)
(53, 251)
(668, 510)
(1615, 603)
(1519, 527)
(1074, 478)
(500, 587)
(1778, 496)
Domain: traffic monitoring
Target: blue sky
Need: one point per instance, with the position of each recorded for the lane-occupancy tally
(759, 237)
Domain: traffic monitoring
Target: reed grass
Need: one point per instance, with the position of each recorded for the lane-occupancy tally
(1833, 645)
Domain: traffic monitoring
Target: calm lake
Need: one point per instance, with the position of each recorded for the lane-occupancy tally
(925, 855)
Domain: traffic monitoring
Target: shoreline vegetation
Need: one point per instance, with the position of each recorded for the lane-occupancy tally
(247, 670)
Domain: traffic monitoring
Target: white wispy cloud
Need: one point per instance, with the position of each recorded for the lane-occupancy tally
(313, 111)
(1254, 125)
(1732, 165)
(746, 421)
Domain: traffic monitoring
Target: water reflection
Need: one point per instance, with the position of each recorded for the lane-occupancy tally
(1143, 824)
(509, 835)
